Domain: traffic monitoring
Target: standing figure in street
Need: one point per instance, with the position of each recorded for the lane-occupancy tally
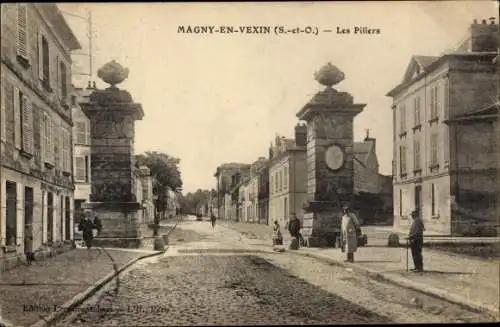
(294, 227)
(277, 237)
(213, 219)
(87, 227)
(349, 239)
(416, 238)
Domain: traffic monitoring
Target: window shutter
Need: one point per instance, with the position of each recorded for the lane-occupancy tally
(43, 137)
(58, 78)
(17, 119)
(80, 169)
(51, 139)
(27, 125)
(52, 72)
(40, 55)
(22, 35)
(87, 132)
(2, 113)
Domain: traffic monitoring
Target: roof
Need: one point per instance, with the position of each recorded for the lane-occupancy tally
(433, 64)
(425, 61)
(361, 151)
(54, 14)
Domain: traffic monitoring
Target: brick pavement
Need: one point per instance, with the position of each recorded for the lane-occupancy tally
(53, 282)
(459, 278)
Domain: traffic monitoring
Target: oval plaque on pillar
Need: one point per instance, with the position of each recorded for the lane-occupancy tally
(334, 157)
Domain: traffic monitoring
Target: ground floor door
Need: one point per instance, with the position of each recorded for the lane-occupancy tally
(28, 219)
(11, 213)
(285, 208)
(50, 217)
(67, 213)
(61, 218)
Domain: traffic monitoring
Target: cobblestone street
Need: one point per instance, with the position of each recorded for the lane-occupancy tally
(212, 277)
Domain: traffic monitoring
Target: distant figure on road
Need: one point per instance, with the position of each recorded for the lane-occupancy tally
(277, 237)
(294, 227)
(416, 237)
(86, 226)
(213, 219)
(349, 235)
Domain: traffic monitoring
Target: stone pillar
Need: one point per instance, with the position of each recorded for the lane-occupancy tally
(330, 180)
(112, 115)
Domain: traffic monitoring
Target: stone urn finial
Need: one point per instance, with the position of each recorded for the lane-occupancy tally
(113, 73)
(329, 75)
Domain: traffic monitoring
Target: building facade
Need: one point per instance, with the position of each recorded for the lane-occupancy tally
(81, 151)
(431, 173)
(288, 176)
(36, 137)
(224, 175)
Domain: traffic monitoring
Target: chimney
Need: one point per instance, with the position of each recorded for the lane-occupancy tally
(370, 139)
(484, 36)
(301, 134)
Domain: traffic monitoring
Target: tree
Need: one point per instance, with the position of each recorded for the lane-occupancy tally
(165, 172)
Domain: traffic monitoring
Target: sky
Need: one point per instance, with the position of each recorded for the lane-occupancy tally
(215, 98)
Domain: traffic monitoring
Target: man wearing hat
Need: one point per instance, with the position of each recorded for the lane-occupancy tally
(348, 234)
(416, 238)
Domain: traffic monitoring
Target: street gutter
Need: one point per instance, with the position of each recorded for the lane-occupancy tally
(62, 312)
(83, 296)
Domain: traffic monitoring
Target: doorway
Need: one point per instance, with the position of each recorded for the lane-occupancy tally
(61, 221)
(418, 199)
(67, 209)
(285, 209)
(11, 214)
(28, 219)
(50, 217)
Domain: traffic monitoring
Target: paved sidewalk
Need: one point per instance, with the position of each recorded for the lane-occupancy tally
(29, 294)
(457, 278)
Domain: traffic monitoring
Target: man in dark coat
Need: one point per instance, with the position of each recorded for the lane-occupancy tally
(416, 238)
(294, 228)
(86, 226)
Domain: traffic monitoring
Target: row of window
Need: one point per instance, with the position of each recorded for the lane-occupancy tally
(278, 181)
(55, 139)
(417, 153)
(417, 112)
(60, 80)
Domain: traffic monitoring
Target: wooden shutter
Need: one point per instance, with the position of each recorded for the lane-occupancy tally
(80, 169)
(58, 78)
(2, 113)
(43, 136)
(22, 33)
(27, 130)
(40, 55)
(17, 119)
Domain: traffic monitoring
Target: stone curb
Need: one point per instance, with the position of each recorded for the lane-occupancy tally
(81, 297)
(401, 281)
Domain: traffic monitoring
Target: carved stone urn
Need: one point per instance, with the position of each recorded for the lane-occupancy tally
(329, 75)
(113, 73)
